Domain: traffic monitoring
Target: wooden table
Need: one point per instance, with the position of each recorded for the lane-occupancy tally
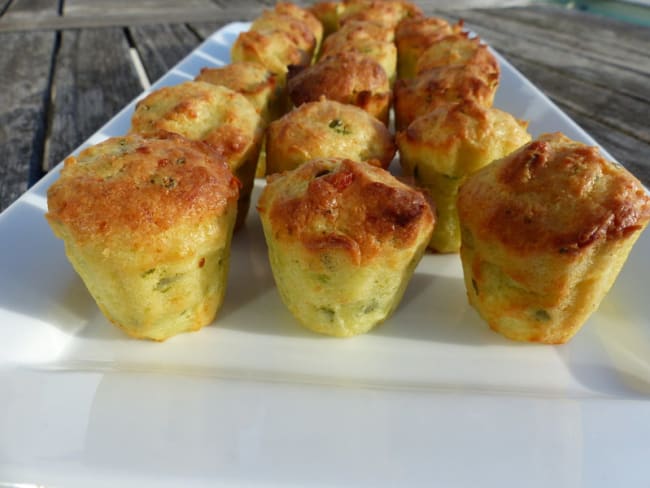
(66, 67)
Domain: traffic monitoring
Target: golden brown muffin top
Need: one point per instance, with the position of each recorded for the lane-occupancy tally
(252, 80)
(554, 194)
(140, 186)
(367, 39)
(458, 49)
(244, 77)
(423, 30)
(458, 138)
(344, 205)
(274, 50)
(204, 112)
(328, 129)
(304, 15)
(342, 77)
(328, 14)
(381, 12)
(358, 33)
(297, 31)
(434, 87)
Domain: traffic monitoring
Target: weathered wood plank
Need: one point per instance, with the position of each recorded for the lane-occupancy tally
(624, 112)
(31, 8)
(607, 34)
(25, 61)
(583, 58)
(598, 81)
(94, 78)
(616, 119)
(85, 8)
(206, 29)
(160, 47)
(4, 5)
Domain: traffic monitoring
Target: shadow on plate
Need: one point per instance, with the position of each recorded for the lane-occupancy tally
(611, 353)
(435, 308)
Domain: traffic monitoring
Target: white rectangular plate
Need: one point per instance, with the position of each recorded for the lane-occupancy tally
(432, 397)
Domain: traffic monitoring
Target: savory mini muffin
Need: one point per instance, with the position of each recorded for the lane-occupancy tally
(381, 12)
(457, 49)
(274, 50)
(328, 14)
(147, 224)
(254, 81)
(304, 15)
(385, 13)
(344, 239)
(347, 77)
(440, 149)
(213, 114)
(297, 31)
(435, 87)
(368, 39)
(326, 129)
(413, 36)
(545, 232)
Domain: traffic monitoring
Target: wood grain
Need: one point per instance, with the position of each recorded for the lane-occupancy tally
(160, 47)
(591, 67)
(59, 86)
(93, 79)
(25, 62)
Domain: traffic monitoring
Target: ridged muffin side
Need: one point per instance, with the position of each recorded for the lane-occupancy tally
(442, 148)
(545, 232)
(147, 224)
(344, 239)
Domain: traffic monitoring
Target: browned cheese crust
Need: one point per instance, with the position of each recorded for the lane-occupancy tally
(346, 77)
(413, 36)
(252, 80)
(201, 111)
(297, 31)
(385, 13)
(311, 21)
(274, 50)
(432, 88)
(457, 49)
(327, 129)
(139, 187)
(365, 38)
(545, 232)
(554, 195)
(348, 206)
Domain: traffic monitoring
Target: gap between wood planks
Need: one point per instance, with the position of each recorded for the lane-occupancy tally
(50, 100)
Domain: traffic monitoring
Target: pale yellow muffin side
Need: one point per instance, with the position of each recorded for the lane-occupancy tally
(442, 148)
